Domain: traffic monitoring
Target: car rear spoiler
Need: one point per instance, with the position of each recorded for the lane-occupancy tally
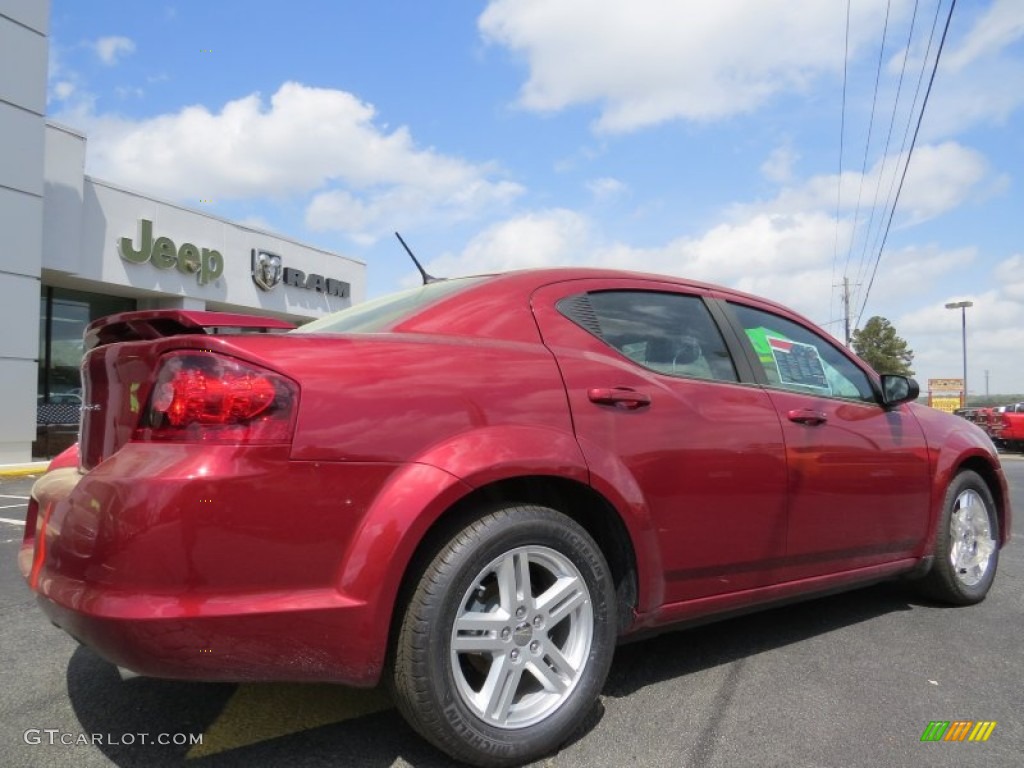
(158, 323)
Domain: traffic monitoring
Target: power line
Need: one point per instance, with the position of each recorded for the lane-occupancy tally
(862, 269)
(910, 153)
(867, 143)
(888, 139)
(842, 133)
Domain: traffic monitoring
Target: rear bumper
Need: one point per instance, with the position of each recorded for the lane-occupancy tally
(322, 644)
(201, 563)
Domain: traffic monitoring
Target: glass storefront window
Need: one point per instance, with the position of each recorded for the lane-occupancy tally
(64, 314)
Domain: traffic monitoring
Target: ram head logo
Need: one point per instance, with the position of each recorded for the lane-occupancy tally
(267, 269)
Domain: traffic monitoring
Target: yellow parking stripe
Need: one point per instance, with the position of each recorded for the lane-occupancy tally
(262, 711)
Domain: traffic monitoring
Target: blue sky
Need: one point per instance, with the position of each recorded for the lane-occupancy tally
(690, 138)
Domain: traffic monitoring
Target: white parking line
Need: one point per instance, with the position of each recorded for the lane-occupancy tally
(12, 522)
(9, 496)
(12, 506)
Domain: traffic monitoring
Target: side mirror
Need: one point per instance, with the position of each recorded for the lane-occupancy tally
(898, 389)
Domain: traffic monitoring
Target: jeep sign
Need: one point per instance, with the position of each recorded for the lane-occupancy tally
(206, 263)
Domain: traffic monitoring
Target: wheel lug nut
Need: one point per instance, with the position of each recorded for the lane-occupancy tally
(537, 622)
(534, 646)
(520, 612)
(506, 633)
(514, 654)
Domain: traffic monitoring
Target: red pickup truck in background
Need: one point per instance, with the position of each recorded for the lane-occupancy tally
(1007, 426)
(1004, 424)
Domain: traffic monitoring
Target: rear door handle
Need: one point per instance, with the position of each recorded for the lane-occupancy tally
(620, 397)
(807, 416)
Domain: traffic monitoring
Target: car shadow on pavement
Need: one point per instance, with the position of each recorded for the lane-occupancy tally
(657, 659)
(121, 710)
(106, 705)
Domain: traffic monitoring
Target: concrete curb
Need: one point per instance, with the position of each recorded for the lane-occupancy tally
(22, 470)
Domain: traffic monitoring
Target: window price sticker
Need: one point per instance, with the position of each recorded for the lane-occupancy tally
(799, 364)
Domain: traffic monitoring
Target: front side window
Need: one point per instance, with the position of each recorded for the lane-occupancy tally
(798, 360)
(669, 333)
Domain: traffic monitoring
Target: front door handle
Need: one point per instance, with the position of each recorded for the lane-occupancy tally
(807, 416)
(620, 397)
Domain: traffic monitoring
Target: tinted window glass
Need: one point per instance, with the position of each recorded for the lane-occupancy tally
(796, 359)
(665, 332)
(379, 314)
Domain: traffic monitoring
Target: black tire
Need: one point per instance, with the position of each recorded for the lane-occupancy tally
(958, 576)
(469, 580)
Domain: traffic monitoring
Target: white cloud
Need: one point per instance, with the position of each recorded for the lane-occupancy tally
(549, 238)
(649, 61)
(904, 275)
(606, 189)
(129, 92)
(979, 78)
(995, 336)
(1010, 276)
(773, 255)
(63, 90)
(1000, 26)
(779, 165)
(308, 140)
(986, 92)
(785, 258)
(941, 177)
(376, 212)
(254, 221)
(63, 83)
(110, 49)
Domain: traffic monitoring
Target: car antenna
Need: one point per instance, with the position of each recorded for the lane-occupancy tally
(427, 278)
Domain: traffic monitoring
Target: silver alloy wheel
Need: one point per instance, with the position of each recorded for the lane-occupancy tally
(970, 534)
(522, 637)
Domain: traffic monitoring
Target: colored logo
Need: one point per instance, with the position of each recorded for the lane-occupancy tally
(958, 730)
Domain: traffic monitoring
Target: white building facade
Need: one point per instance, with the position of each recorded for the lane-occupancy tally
(74, 248)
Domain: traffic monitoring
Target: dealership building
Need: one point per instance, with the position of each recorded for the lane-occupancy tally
(74, 248)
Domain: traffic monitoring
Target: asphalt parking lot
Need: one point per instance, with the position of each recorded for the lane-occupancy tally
(849, 680)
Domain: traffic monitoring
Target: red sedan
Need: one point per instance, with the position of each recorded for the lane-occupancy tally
(474, 488)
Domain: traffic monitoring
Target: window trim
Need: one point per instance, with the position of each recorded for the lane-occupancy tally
(729, 326)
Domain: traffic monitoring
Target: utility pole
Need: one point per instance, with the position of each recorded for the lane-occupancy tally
(846, 310)
(846, 307)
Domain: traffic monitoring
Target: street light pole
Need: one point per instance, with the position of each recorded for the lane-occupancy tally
(962, 306)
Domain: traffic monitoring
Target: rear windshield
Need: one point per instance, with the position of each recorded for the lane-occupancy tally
(380, 314)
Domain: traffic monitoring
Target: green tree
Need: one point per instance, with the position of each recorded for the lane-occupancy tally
(880, 347)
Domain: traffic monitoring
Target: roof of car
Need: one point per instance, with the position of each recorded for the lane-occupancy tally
(546, 275)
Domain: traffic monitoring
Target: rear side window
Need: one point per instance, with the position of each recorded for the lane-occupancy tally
(670, 333)
(796, 359)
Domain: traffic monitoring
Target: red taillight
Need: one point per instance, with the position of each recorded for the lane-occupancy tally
(203, 397)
